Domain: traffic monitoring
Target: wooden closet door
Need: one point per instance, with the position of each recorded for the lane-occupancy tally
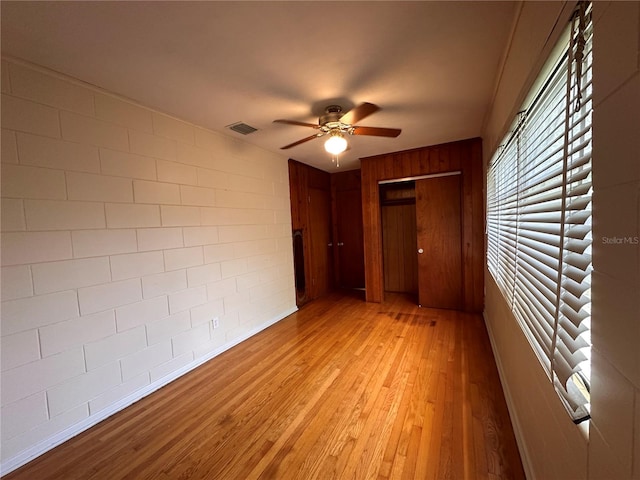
(399, 246)
(349, 243)
(439, 233)
(320, 261)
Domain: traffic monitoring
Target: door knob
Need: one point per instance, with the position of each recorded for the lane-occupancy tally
(329, 244)
(420, 250)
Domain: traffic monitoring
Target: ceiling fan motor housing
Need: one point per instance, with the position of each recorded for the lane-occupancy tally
(331, 116)
(330, 121)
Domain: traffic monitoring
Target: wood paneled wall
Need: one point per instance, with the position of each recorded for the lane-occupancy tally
(465, 156)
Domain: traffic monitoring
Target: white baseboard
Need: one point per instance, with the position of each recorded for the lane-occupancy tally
(45, 445)
(513, 413)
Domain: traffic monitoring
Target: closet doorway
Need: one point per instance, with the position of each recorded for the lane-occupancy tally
(422, 238)
(399, 237)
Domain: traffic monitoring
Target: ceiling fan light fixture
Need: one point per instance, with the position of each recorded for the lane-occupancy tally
(336, 143)
(335, 126)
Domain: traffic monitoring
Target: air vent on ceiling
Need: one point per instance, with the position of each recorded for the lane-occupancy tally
(242, 128)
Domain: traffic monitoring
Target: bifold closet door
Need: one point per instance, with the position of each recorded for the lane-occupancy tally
(439, 234)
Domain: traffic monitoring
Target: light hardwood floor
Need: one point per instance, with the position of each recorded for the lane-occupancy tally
(341, 389)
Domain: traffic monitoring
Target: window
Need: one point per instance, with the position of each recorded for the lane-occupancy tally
(539, 217)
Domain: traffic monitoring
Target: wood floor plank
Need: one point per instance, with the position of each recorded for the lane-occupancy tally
(342, 389)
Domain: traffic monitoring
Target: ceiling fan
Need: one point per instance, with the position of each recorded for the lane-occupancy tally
(337, 124)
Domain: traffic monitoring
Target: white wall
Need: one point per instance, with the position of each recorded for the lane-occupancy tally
(614, 442)
(124, 233)
(552, 447)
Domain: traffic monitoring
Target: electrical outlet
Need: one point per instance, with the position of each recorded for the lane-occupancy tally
(216, 322)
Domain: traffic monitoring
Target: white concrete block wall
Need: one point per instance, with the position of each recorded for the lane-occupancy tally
(70, 274)
(94, 243)
(615, 448)
(124, 233)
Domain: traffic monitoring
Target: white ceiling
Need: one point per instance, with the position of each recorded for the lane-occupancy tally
(431, 66)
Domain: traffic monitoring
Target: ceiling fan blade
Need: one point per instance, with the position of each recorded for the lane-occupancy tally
(376, 131)
(301, 124)
(301, 141)
(358, 113)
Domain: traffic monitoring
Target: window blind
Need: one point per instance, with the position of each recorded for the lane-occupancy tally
(539, 218)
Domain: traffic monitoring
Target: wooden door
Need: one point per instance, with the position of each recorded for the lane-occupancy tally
(439, 234)
(348, 243)
(320, 237)
(399, 248)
